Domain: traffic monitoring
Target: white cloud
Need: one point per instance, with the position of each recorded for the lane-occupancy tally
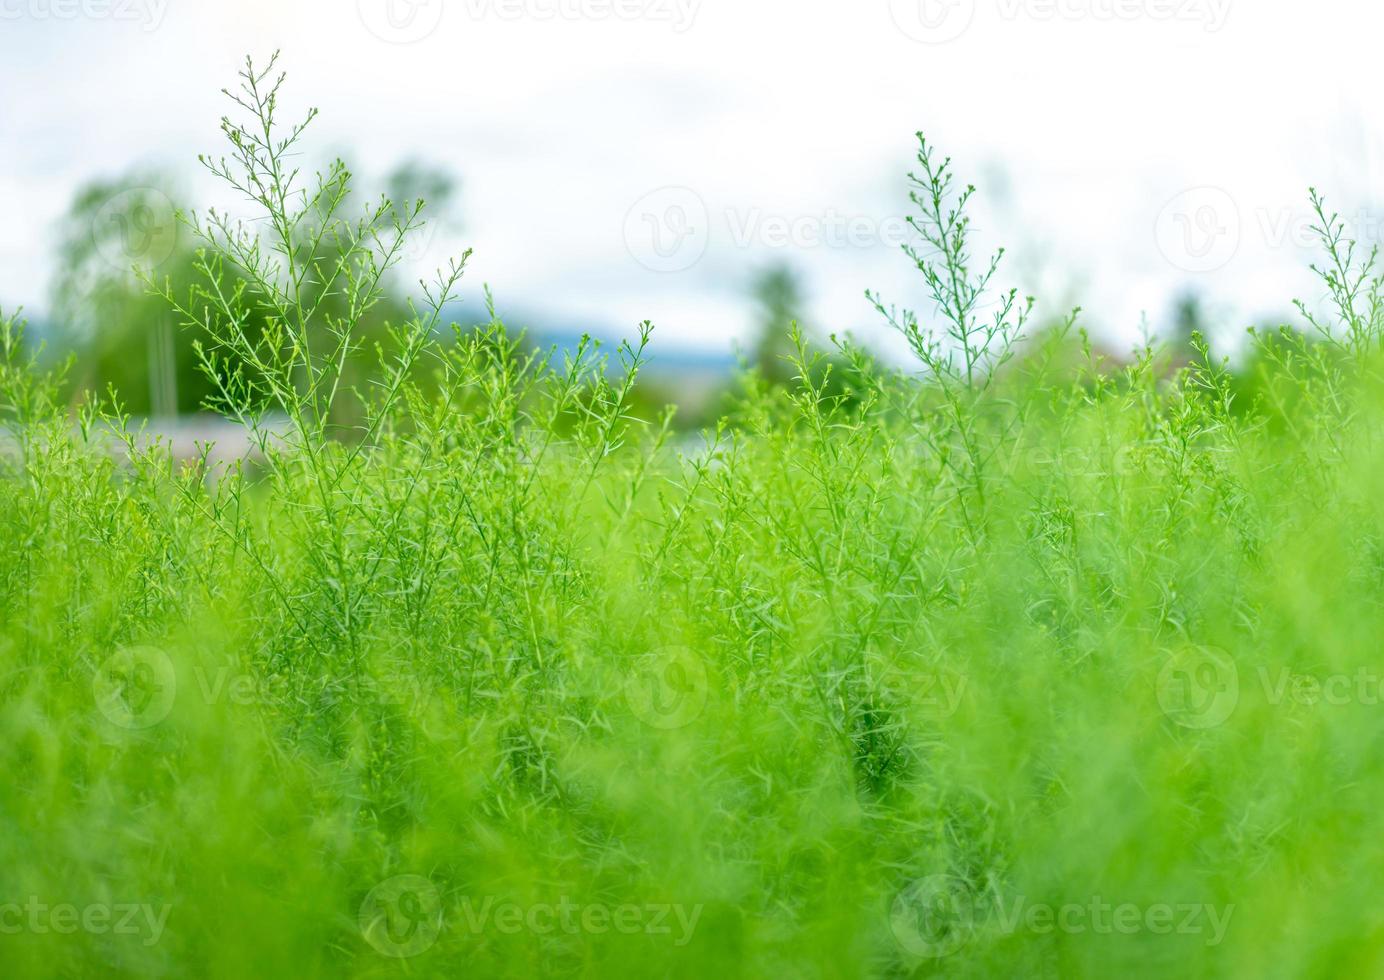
(1079, 125)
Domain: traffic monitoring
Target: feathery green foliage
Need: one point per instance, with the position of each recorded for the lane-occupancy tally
(1013, 665)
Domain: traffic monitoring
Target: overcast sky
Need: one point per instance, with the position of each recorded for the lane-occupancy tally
(633, 159)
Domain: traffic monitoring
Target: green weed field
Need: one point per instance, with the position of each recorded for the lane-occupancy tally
(1009, 661)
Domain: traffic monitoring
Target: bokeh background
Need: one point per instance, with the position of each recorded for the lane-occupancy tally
(716, 166)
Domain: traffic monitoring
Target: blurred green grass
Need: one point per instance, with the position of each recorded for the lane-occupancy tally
(1066, 669)
(862, 693)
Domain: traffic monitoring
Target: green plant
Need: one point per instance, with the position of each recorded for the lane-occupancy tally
(1022, 663)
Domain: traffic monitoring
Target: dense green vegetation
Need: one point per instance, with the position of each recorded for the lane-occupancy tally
(1007, 663)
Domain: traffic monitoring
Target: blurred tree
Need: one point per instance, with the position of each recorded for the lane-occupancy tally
(119, 229)
(779, 302)
(1189, 317)
(100, 309)
(415, 180)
